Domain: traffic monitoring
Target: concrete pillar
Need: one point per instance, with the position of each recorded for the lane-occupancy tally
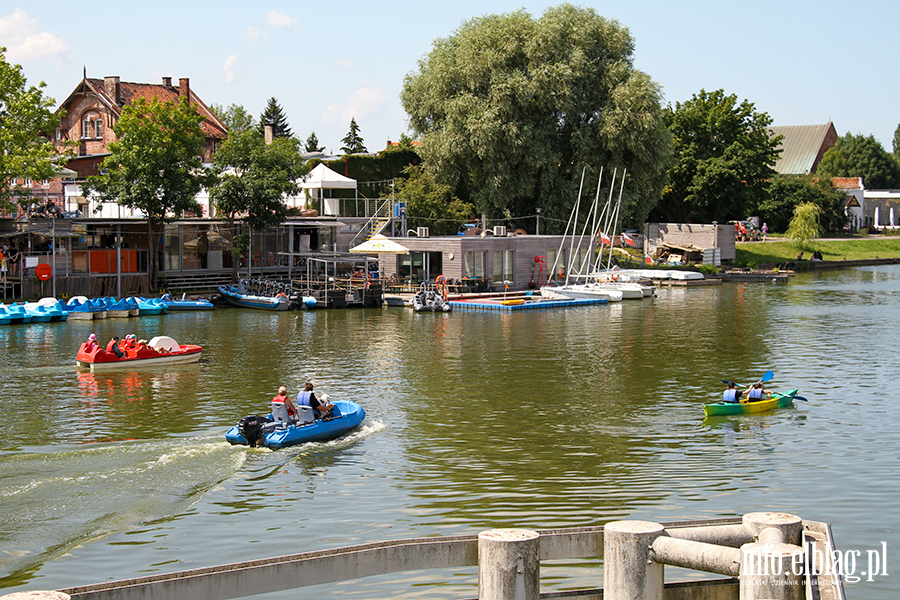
(772, 570)
(773, 566)
(790, 525)
(628, 572)
(509, 565)
(36, 595)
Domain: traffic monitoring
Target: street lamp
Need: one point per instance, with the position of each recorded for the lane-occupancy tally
(537, 230)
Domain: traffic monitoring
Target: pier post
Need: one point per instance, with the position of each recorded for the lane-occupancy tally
(509, 566)
(773, 566)
(628, 572)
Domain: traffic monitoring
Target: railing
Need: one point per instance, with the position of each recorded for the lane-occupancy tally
(380, 212)
(508, 562)
(365, 207)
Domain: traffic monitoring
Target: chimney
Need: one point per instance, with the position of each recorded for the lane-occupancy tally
(111, 87)
(184, 88)
(167, 82)
(269, 132)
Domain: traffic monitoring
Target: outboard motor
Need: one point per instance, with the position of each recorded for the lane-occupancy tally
(251, 428)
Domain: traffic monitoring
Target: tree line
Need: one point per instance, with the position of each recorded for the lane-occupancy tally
(508, 112)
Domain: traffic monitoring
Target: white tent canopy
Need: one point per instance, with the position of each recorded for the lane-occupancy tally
(322, 178)
(379, 244)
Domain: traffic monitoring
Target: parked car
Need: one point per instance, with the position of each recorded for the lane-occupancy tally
(753, 232)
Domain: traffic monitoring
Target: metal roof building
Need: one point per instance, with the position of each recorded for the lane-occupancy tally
(803, 147)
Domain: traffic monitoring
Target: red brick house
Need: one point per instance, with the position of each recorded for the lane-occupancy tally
(95, 106)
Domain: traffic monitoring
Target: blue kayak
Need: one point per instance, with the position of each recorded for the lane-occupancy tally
(275, 434)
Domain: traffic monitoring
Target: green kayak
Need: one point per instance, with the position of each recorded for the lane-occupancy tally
(730, 408)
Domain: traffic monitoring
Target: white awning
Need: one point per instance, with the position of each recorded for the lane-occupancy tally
(379, 244)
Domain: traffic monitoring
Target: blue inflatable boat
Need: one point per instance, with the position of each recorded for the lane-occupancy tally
(266, 431)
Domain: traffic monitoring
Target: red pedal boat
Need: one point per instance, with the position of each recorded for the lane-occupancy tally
(160, 350)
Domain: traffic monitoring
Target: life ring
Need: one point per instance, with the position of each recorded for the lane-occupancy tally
(614, 276)
(281, 295)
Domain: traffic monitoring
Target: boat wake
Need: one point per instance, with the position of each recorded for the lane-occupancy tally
(57, 499)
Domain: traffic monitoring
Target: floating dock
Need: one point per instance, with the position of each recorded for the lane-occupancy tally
(516, 303)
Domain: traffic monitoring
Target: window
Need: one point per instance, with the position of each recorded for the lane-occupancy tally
(91, 126)
(474, 266)
(504, 261)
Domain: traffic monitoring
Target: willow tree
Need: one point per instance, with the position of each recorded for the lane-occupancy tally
(804, 226)
(510, 108)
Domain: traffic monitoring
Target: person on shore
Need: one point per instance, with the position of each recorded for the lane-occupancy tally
(282, 399)
(113, 347)
(756, 393)
(732, 395)
(765, 231)
(308, 398)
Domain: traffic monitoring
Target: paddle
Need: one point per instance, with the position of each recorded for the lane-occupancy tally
(795, 397)
(767, 376)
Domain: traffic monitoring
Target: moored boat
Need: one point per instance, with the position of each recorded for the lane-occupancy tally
(14, 314)
(238, 296)
(266, 431)
(161, 350)
(185, 304)
(777, 400)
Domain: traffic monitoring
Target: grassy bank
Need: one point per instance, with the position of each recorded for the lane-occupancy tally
(760, 253)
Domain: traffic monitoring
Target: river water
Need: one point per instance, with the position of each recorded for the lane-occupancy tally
(567, 417)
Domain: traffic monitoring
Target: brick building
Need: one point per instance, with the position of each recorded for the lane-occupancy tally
(95, 106)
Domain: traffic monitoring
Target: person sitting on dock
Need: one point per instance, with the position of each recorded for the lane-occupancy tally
(756, 393)
(282, 399)
(113, 347)
(732, 395)
(308, 398)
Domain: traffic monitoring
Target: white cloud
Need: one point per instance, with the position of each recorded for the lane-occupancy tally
(282, 20)
(24, 40)
(363, 102)
(344, 63)
(252, 34)
(228, 67)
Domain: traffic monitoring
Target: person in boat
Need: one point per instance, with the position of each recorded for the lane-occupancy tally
(756, 393)
(113, 347)
(732, 395)
(283, 398)
(308, 398)
(129, 342)
(91, 343)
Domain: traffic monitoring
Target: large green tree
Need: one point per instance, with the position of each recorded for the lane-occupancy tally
(510, 108)
(235, 117)
(861, 156)
(273, 115)
(155, 165)
(725, 157)
(353, 142)
(252, 180)
(26, 122)
(786, 192)
(430, 204)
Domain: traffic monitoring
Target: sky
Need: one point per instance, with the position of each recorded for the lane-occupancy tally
(802, 62)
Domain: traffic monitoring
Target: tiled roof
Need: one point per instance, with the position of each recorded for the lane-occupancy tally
(803, 147)
(129, 92)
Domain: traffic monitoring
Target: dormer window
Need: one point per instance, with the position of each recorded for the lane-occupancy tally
(92, 126)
